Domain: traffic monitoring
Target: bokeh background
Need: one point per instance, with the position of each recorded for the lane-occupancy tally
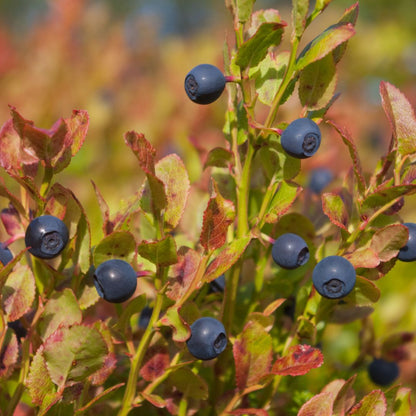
(125, 62)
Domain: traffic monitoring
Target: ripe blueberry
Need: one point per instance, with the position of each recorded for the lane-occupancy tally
(383, 372)
(334, 277)
(145, 316)
(208, 338)
(290, 251)
(204, 83)
(319, 179)
(218, 284)
(115, 280)
(46, 236)
(408, 252)
(6, 255)
(301, 138)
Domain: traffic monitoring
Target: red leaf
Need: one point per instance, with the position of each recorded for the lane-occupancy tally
(321, 405)
(218, 215)
(374, 404)
(155, 362)
(243, 412)
(142, 149)
(347, 139)
(9, 354)
(363, 257)
(300, 360)
(11, 221)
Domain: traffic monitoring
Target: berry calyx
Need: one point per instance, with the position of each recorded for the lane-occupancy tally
(46, 236)
(115, 280)
(204, 84)
(290, 251)
(301, 138)
(208, 338)
(334, 277)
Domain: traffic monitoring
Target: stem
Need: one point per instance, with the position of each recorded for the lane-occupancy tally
(183, 406)
(46, 182)
(270, 192)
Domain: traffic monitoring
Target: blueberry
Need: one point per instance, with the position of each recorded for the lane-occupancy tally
(408, 252)
(144, 317)
(6, 255)
(46, 236)
(319, 179)
(290, 251)
(301, 138)
(208, 338)
(18, 328)
(204, 83)
(334, 277)
(383, 372)
(115, 280)
(218, 284)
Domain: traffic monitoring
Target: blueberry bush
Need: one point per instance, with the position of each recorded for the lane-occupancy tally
(213, 296)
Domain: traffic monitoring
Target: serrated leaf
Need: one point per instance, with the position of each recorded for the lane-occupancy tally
(299, 360)
(334, 208)
(41, 388)
(9, 354)
(61, 310)
(181, 330)
(162, 252)
(347, 139)
(364, 257)
(263, 16)
(218, 215)
(373, 404)
(299, 13)
(77, 127)
(388, 241)
(317, 83)
(268, 75)
(401, 117)
(18, 292)
(282, 200)
(172, 172)
(324, 44)
(155, 362)
(72, 354)
(226, 257)
(117, 245)
(189, 383)
(320, 404)
(219, 157)
(252, 355)
(253, 50)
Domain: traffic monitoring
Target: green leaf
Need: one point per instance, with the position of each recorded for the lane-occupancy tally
(401, 116)
(74, 353)
(268, 75)
(299, 13)
(317, 83)
(321, 4)
(244, 9)
(188, 383)
(172, 172)
(253, 51)
(324, 44)
(181, 330)
(384, 196)
(218, 215)
(388, 241)
(320, 404)
(9, 354)
(162, 252)
(282, 200)
(134, 306)
(117, 245)
(400, 403)
(334, 208)
(61, 310)
(373, 404)
(263, 16)
(252, 355)
(226, 257)
(18, 292)
(219, 157)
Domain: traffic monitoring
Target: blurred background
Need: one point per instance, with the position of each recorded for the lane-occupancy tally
(125, 62)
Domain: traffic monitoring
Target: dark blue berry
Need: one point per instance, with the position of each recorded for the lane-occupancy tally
(18, 328)
(115, 280)
(290, 251)
(6, 255)
(46, 236)
(383, 372)
(319, 179)
(208, 338)
(204, 83)
(218, 284)
(334, 277)
(301, 138)
(408, 252)
(145, 316)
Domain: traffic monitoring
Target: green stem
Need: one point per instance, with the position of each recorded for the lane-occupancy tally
(183, 406)
(270, 192)
(47, 179)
